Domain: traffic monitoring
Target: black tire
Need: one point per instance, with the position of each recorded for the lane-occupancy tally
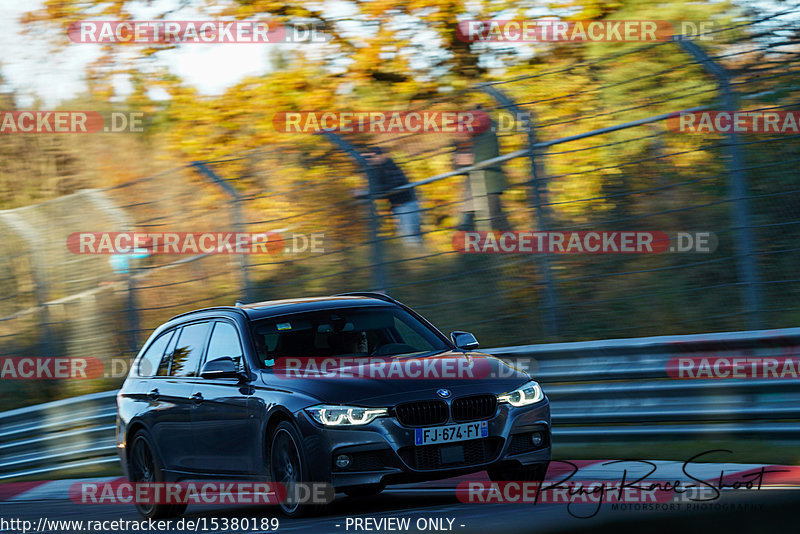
(144, 466)
(528, 473)
(288, 466)
(366, 490)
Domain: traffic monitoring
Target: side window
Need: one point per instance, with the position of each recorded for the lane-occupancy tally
(166, 360)
(151, 359)
(186, 356)
(225, 342)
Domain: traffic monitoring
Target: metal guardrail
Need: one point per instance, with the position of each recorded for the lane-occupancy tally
(611, 390)
(58, 436)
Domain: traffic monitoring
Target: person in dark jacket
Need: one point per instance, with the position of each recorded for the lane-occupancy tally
(404, 203)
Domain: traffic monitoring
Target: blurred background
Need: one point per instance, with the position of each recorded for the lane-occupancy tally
(599, 156)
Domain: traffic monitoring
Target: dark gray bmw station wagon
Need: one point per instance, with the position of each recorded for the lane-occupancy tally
(357, 391)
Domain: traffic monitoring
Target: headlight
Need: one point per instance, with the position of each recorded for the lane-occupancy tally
(344, 415)
(527, 394)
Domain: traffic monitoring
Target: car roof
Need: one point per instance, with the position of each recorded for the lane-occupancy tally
(269, 308)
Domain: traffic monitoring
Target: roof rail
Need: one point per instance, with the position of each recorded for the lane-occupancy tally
(371, 294)
(212, 308)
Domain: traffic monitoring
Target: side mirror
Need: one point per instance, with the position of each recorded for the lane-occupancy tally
(220, 368)
(464, 340)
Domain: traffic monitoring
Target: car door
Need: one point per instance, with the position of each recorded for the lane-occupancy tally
(144, 388)
(169, 419)
(224, 429)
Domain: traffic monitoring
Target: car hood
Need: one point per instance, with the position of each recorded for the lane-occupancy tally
(392, 380)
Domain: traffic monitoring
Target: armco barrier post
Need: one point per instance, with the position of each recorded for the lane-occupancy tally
(132, 312)
(737, 191)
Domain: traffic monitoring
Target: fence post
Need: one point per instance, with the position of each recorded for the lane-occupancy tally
(378, 273)
(39, 276)
(236, 215)
(132, 312)
(737, 191)
(536, 186)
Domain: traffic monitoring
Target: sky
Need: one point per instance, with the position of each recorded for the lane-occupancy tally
(35, 69)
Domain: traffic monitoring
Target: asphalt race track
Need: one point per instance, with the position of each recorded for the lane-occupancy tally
(434, 507)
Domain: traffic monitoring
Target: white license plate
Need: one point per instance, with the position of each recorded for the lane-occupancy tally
(451, 433)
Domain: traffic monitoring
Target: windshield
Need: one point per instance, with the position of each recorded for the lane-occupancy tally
(373, 331)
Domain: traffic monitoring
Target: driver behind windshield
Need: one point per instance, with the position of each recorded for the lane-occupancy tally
(347, 343)
(384, 331)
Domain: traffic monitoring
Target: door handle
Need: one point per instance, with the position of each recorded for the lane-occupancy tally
(197, 397)
(153, 394)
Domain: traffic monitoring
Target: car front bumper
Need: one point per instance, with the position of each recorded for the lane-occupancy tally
(384, 450)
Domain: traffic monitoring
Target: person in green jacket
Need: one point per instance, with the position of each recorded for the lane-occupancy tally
(483, 187)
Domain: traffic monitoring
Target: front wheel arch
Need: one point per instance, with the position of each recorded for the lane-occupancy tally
(275, 418)
(303, 470)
